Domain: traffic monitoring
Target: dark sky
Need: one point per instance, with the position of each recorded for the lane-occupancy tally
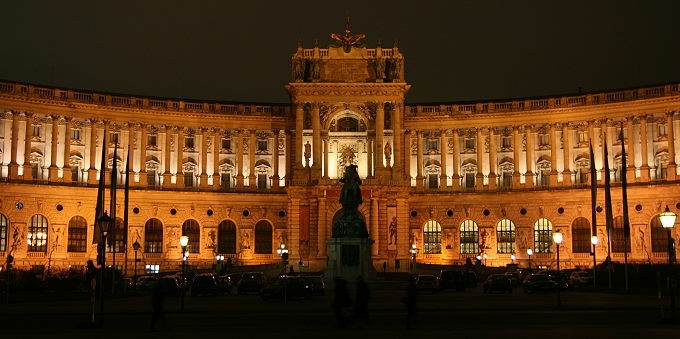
(240, 50)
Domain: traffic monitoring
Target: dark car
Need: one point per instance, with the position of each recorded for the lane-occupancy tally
(224, 284)
(318, 285)
(497, 283)
(204, 284)
(427, 283)
(450, 279)
(250, 282)
(287, 287)
(169, 286)
(539, 283)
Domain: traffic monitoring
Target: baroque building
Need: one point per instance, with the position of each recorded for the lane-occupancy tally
(451, 180)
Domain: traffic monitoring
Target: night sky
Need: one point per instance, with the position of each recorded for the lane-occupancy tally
(240, 50)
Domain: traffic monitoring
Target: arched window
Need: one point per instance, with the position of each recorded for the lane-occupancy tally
(263, 237)
(469, 237)
(3, 232)
(226, 237)
(659, 236)
(153, 236)
(618, 239)
(543, 236)
(580, 235)
(505, 233)
(37, 234)
(77, 234)
(191, 229)
(432, 237)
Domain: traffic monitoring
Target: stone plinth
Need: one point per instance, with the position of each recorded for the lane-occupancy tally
(349, 258)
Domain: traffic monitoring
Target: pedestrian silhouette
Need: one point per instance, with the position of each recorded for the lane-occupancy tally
(410, 300)
(341, 302)
(158, 306)
(361, 305)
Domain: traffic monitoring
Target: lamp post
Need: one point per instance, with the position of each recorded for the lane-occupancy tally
(557, 238)
(218, 263)
(530, 252)
(136, 246)
(184, 242)
(512, 259)
(104, 224)
(668, 221)
(414, 252)
(283, 252)
(594, 240)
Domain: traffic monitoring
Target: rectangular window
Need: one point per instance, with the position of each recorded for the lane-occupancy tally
(662, 130)
(189, 142)
(542, 241)
(469, 180)
(433, 145)
(262, 181)
(77, 239)
(114, 137)
(469, 242)
(152, 140)
(189, 179)
(506, 142)
(470, 144)
(262, 145)
(152, 269)
(75, 173)
(581, 240)
(36, 131)
(151, 178)
(225, 181)
(543, 139)
(582, 137)
(75, 134)
(433, 181)
(226, 144)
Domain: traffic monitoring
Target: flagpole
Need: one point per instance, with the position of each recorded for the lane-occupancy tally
(624, 196)
(125, 208)
(101, 247)
(593, 209)
(608, 209)
(114, 183)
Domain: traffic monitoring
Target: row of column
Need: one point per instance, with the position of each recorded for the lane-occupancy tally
(524, 133)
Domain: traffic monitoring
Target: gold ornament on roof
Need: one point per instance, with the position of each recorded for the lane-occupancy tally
(348, 40)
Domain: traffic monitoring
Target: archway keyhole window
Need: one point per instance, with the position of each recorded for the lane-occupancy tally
(77, 234)
(153, 236)
(263, 238)
(37, 234)
(191, 229)
(619, 243)
(580, 235)
(505, 233)
(543, 236)
(3, 232)
(226, 237)
(469, 237)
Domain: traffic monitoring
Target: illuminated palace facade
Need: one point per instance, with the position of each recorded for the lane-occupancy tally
(453, 180)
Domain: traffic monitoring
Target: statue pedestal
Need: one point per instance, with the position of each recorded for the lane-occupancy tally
(349, 258)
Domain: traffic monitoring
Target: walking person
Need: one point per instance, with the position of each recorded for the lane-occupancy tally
(158, 306)
(361, 305)
(411, 302)
(341, 302)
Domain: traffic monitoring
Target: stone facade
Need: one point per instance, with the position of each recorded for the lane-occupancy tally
(457, 180)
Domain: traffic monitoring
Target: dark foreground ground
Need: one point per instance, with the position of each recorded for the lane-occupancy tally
(583, 314)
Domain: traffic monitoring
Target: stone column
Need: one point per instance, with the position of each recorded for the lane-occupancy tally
(296, 156)
(371, 153)
(492, 159)
(316, 141)
(553, 155)
(92, 171)
(566, 153)
(374, 231)
(630, 150)
(407, 155)
(67, 173)
(672, 167)
(275, 162)
(419, 157)
(516, 148)
(167, 176)
(400, 157)
(325, 141)
(179, 174)
(479, 177)
(444, 141)
(644, 168)
(217, 146)
(322, 228)
(239, 159)
(14, 164)
(455, 179)
(28, 169)
(252, 146)
(203, 178)
(529, 176)
(379, 157)
(54, 170)
(143, 175)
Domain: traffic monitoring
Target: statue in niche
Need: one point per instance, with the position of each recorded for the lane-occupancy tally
(388, 153)
(379, 68)
(393, 231)
(308, 153)
(299, 66)
(352, 224)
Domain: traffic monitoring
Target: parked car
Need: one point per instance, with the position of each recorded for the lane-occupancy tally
(497, 283)
(580, 278)
(145, 284)
(450, 279)
(539, 283)
(204, 283)
(170, 286)
(287, 287)
(318, 285)
(427, 283)
(250, 282)
(514, 278)
(224, 284)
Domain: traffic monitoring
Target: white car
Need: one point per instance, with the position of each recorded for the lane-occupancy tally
(580, 278)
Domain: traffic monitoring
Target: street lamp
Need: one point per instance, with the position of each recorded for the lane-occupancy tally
(184, 242)
(283, 252)
(594, 240)
(668, 221)
(218, 263)
(136, 246)
(557, 238)
(530, 252)
(413, 251)
(512, 258)
(104, 224)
